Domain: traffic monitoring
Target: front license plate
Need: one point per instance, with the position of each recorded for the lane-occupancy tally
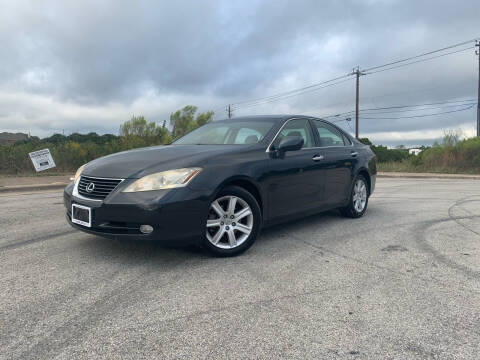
(82, 215)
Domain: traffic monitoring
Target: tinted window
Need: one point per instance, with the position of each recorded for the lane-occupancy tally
(296, 127)
(228, 133)
(247, 136)
(328, 135)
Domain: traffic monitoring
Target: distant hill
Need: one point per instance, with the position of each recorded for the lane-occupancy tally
(10, 138)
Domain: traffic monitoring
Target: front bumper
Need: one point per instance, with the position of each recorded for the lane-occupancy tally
(175, 215)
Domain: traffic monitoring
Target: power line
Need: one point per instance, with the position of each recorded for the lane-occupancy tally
(417, 116)
(403, 106)
(384, 95)
(421, 55)
(418, 61)
(299, 90)
(406, 62)
(368, 99)
(340, 79)
(407, 117)
(422, 109)
(292, 95)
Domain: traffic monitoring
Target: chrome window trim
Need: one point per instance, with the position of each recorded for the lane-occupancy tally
(281, 128)
(78, 196)
(309, 148)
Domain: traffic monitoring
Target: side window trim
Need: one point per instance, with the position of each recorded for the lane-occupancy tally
(312, 133)
(314, 130)
(316, 138)
(346, 140)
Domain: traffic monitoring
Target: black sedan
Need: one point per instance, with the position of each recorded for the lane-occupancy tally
(221, 183)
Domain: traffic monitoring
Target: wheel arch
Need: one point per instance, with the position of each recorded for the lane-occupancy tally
(364, 172)
(247, 184)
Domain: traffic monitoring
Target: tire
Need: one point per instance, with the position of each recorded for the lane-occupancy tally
(357, 206)
(231, 232)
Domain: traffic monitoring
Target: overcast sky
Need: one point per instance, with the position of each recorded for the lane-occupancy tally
(82, 66)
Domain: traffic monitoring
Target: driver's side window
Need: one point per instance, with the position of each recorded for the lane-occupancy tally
(296, 127)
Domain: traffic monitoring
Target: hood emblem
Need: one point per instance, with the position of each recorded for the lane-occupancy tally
(90, 187)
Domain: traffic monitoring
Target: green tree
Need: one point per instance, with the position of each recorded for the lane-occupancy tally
(183, 121)
(137, 126)
(365, 141)
(138, 132)
(204, 118)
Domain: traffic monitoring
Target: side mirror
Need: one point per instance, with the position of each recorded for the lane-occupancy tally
(290, 143)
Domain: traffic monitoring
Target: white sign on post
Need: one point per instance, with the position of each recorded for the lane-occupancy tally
(42, 160)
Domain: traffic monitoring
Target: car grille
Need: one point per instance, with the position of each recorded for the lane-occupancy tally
(101, 187)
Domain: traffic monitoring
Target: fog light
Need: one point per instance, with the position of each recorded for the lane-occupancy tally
(146, 229)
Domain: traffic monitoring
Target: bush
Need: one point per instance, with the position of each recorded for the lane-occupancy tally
(385, 154)
(70, 152)
(464, 157)
(452, 156)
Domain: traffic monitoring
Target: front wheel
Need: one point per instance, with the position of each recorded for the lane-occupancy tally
(358, 202)
(233, 222)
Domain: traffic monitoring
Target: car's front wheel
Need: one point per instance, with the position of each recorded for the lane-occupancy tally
(358, 201)
(233, 222)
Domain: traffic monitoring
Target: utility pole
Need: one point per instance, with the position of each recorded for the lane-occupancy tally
(229, 111)
(477, 44)
(358, 73)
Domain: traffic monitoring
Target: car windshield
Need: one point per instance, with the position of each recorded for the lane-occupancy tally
(227, 133)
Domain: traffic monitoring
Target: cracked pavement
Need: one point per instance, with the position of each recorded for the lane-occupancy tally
(402, 282)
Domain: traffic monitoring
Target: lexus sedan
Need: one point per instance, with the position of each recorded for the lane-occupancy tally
(221, 183)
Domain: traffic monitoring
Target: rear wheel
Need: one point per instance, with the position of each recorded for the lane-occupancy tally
(358, 201)
(233, 222)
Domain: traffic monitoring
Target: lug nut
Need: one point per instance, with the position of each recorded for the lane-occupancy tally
(232, 217)
(233, 224)
(221, 223)
(228, 227)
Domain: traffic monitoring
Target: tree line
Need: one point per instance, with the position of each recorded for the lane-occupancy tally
(452, 155)
(70, 152)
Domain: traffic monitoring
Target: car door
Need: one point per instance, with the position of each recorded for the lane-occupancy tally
(295, 179)
(338, 162)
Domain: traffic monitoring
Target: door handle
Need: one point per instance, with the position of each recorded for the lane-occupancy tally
(318, 158)
(353, 154)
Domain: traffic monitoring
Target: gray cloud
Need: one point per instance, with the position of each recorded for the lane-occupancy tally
(89, 65)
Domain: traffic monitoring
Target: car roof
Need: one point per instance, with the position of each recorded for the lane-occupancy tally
(275, 118)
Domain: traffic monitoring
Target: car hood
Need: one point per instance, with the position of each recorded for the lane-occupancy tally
(137, 163)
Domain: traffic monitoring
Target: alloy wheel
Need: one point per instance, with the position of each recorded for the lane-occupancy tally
(359, 195)
(229, 223)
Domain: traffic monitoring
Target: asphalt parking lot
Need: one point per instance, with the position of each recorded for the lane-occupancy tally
(402, 282)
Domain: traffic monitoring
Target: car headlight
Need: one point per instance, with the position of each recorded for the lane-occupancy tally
(78, 173)
(164, 180)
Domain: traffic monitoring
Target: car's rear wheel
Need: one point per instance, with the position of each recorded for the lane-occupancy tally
(358, 201)
(233, 222)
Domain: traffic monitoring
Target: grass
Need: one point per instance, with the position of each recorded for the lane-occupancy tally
(453, 156)
(408, 167)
